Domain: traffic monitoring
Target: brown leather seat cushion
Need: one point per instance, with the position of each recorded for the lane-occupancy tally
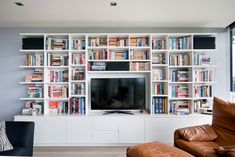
(205, 149)
(155, 149)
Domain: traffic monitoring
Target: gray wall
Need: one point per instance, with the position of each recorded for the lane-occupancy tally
(11, 59)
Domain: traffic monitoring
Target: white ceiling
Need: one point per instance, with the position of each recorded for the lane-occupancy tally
(128, 13)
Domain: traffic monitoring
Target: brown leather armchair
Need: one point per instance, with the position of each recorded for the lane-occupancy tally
(213, 140)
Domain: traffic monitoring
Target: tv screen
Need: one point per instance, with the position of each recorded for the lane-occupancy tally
(117, 93)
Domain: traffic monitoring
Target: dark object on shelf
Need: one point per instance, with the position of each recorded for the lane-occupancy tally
(33, 43)
(203, 42)
(20, 134)
(117, 66)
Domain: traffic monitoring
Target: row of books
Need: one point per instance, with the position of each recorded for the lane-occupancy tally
(77, 106)
(139, 41)
(59, 75)
(57, 91)
(180, 43)
(179, 91)
(159, 44)
(98, 54)
(180, 107)
(97, 41)
(201, 59)
(197, 104)
(139, 54)
(119, 41)
(29, 105)
(78, 89)
(118, 55)
(159, 105)
(179, 75)
(78, 74)
(202, 75)
(37, 76)
(78, 44)
(158, 59)
(140, 66)
(158, 88)
(202, 91)
(78, 58)
(34, 60)
(57, 44)
(158, 74)
(97, 66)
(58, 107)
(57, 59)
(179, 59)
(35, 91)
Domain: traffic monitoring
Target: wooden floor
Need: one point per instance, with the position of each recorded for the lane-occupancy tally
(80, 152)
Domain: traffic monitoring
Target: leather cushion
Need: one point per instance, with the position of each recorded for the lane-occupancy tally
(155, 149)
(225, 151)
(198, 133)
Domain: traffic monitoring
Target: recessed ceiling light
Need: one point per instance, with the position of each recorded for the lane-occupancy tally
(19, 4)
(113, 4)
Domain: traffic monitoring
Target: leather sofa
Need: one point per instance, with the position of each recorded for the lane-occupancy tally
(213, 140)
(20, 135)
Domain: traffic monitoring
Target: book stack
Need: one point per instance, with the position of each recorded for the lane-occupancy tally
(180, 75)
(202, 75)
(35, 91)
(179, 43)
(118, 55)
(57, 91)
(34, 60)
(158, 74)
(33, 104)
(58, 60)
(158, 88)
(140, 66)
(57, 44)
(118, 42)
(202, 91)
(78, 74)
(77, 106)
(201, 59)
(179, 59)
(139, 55)
(159, 105)
(180, 107)
(139, 41)
(78, 58)
(98, 54)
(56, 107)
(179, 91)
(158, 44)
(59, 76)
(37, 76)
(78, 89)
(158, 59)
(97, 41)
(78, 44)
(97, 66)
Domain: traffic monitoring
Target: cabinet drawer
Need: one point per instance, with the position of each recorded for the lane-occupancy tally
(105, 137)
(105, 124)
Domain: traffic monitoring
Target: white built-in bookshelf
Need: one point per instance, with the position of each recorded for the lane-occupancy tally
(181, 77)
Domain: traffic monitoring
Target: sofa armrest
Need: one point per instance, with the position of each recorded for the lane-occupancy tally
(196, 133)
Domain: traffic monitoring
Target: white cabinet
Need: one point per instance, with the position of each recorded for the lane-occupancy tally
(105, 130)
(131, 130)
(162, 128)
(79, 130)
(109, 130)
(53, 130)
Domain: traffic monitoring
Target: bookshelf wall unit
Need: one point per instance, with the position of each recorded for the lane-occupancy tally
(180, 79)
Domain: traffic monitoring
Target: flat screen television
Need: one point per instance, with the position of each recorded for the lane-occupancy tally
(118, 93)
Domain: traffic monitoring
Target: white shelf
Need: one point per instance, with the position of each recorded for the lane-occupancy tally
(77, 51)
(180, 51)
(204, 50)
(156, 81)
(159, 51)
(199, 98)
(57, 83)
(78, 65)
(78, 81)
(205, 66)
(205, 82)
(159, 65)
(36, 99)
(26, 83)
(180, 98)
(189, 82)
(118, 47)
(139, 60)
(33, 51)
(180, 66)
(97, 48)
(164, 95)
(140, 47)
(29, 67)
(57, 99)
(58, 51)
(56, 67)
